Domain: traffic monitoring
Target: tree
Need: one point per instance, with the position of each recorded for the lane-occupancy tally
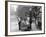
(36, 11)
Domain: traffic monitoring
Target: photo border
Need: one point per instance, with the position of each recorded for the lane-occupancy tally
(6, 18)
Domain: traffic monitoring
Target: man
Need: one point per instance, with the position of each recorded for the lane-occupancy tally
(28, 24)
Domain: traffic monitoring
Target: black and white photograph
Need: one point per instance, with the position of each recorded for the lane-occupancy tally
(25, 18)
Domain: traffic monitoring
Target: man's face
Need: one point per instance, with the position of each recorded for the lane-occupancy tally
(28, 18)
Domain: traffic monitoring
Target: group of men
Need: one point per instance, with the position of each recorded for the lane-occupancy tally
(25, 24)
